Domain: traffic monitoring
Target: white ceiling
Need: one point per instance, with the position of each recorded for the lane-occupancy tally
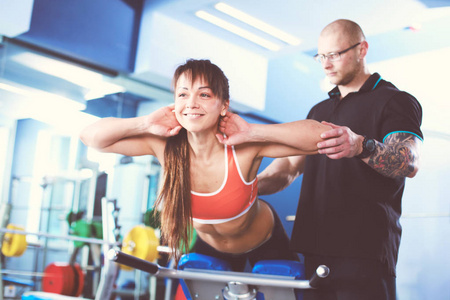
(302, 18)
(176, 34)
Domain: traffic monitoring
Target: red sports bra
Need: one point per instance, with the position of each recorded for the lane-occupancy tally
(232, 200)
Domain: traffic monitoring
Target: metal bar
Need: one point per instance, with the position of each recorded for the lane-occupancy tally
(220, 276)
(64, 237)
(23, 273)
(217, 276)
(164, 249)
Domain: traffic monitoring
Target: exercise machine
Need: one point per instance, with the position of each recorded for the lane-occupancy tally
(208, 278)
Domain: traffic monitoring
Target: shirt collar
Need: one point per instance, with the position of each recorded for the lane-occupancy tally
(370, 84)
(334, 94)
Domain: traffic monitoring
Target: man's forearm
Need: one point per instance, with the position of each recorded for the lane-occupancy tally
(279, 174)
(397, 157)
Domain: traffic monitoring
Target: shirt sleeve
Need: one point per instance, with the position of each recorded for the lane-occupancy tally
(402, 113)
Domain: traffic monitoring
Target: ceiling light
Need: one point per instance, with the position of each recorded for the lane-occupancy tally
(252, 21)
(237, 30)
(102, 89)
(40, 98)
(53, 67)
(96, 83)
(62, 113)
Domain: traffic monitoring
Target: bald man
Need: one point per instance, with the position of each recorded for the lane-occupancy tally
(350, 202)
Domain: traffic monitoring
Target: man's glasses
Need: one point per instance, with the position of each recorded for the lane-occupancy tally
(333, 56)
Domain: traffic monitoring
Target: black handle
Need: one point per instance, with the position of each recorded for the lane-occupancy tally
(322, 272)
(132, 261)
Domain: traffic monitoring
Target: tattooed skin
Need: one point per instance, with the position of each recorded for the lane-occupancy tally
(397, 156)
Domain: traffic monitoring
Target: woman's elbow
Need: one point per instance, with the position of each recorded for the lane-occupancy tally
(88, 137)
(84, 137)
(318, 129)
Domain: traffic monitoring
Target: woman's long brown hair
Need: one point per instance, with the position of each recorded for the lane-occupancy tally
(175, 195)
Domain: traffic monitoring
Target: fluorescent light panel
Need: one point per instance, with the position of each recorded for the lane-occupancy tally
(258, 24)
(95, 82)
(66, 71)
(237, 30)
(42, 98)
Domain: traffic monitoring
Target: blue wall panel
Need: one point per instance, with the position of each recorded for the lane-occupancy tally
(100, 32)
(293, 87)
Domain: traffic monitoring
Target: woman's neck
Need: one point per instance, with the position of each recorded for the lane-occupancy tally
(204, 145)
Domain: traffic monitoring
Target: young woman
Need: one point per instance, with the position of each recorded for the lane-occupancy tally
(210, 185)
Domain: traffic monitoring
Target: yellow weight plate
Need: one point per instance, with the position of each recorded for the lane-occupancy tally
(14, 244)
(152, 243)
(141, 242)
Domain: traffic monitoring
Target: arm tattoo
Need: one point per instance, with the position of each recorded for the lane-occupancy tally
(397, 156)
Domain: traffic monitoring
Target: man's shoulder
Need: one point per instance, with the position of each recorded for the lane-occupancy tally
(389, 91)
(386, 86)
(323, 103)
(388, 94)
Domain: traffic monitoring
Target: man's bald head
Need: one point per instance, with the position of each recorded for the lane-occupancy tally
(347, 29)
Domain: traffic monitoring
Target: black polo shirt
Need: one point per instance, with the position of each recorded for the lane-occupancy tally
(347, 209)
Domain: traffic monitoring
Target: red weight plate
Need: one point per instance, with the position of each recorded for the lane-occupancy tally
(59, 279)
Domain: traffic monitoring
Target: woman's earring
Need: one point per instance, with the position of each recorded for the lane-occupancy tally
(223, 113)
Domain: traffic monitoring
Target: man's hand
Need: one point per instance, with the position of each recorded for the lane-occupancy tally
(340, 142)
